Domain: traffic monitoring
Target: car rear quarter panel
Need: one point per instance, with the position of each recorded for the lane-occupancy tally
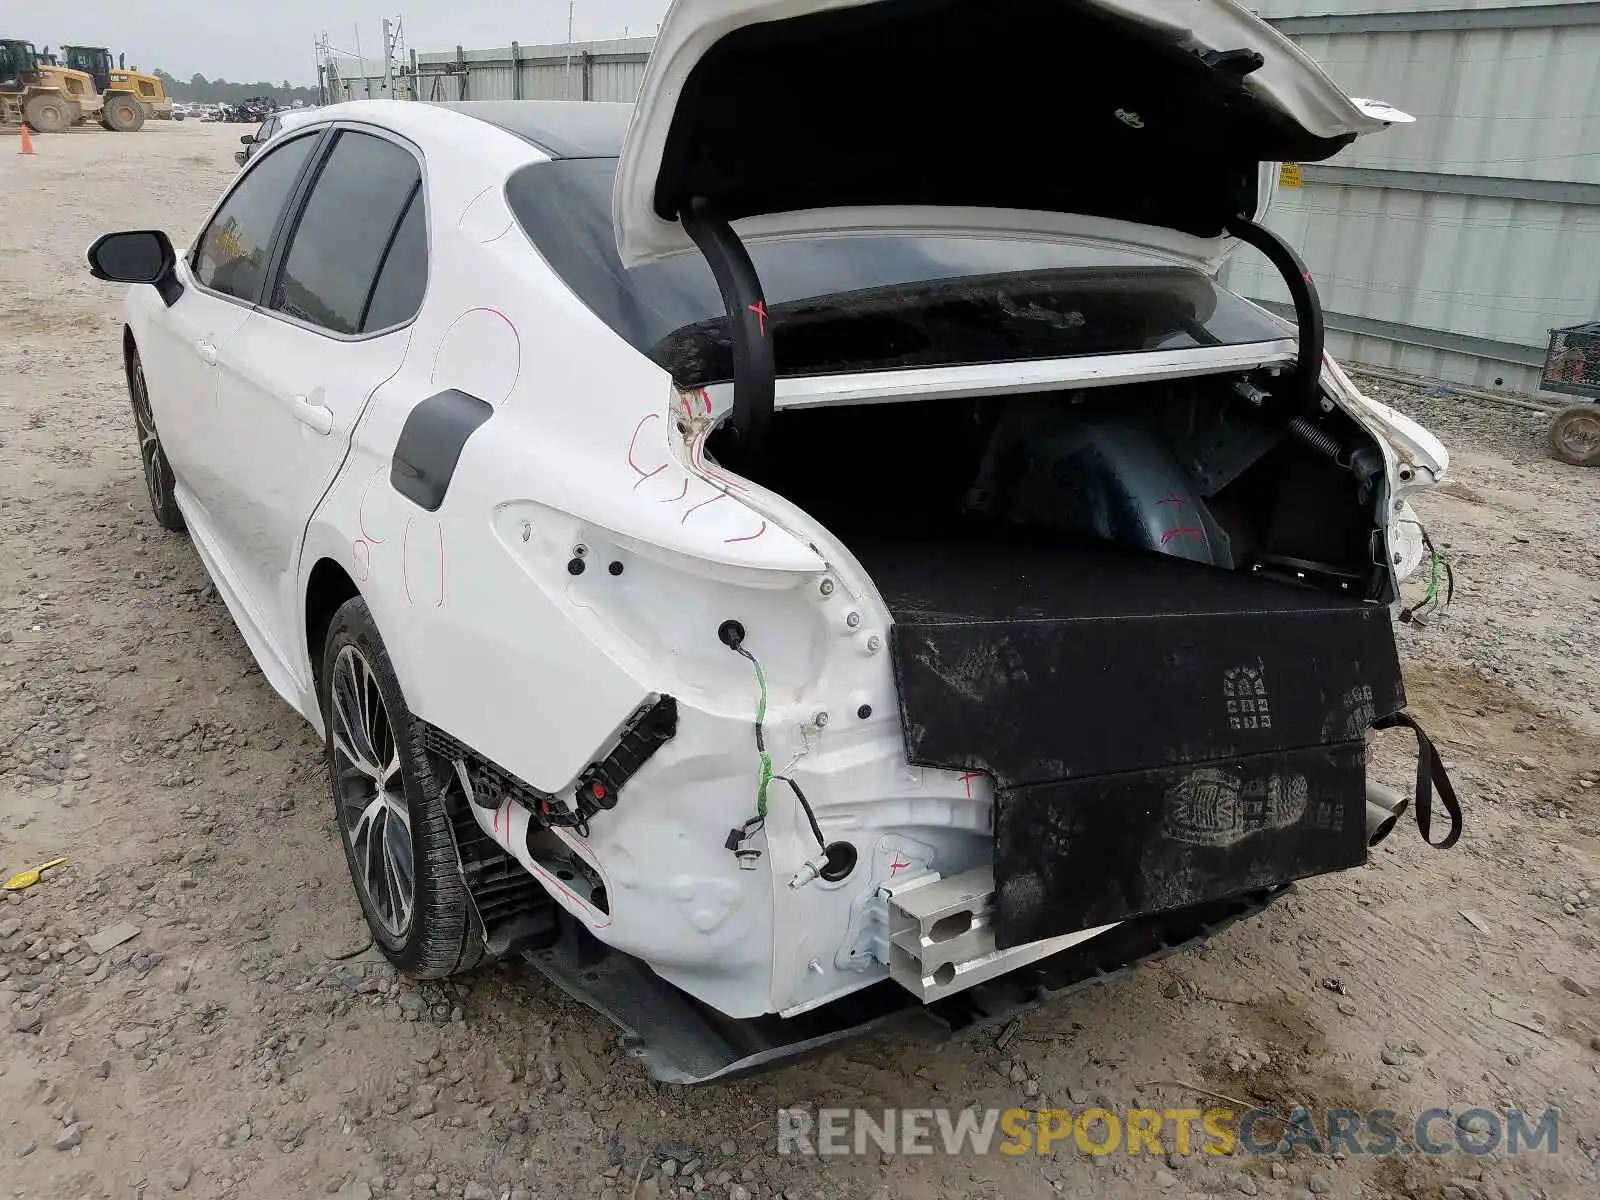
(487, 633)
(497, 642)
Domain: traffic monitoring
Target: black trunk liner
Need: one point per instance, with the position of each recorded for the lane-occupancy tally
(1161, 733)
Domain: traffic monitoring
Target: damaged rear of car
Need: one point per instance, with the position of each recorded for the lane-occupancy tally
(821, 549)
(1098, 621)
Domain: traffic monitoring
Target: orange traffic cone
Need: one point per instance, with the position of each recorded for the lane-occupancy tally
(27, 140)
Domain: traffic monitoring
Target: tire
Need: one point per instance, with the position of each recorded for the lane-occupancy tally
(123, 114)
(47, 114)
(373, 744)
(158, 479)
(1575, 435)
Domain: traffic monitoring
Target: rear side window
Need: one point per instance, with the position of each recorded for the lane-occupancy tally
(231, 257)
(344, 231)
(146, 88)
(397, 292)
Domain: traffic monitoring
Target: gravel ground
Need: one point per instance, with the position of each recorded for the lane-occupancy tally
(243, 1042)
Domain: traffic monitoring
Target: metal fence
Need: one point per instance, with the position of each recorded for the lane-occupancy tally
(582, 71)
(1447, 248)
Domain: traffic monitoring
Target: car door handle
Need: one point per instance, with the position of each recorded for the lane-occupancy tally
(317, 416)
(207, 351)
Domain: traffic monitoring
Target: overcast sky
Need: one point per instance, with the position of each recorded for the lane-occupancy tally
(273, 41)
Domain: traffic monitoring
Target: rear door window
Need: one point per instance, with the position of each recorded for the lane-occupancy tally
(403, 278)
(231, 256)
(350, 220)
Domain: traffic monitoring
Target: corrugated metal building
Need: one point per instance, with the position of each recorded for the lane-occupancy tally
(1447, 248)
(581, 71)
(1450, 247)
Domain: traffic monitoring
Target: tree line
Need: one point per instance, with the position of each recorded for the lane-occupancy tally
(223, 91)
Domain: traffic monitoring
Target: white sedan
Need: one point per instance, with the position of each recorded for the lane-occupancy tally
(786, 557)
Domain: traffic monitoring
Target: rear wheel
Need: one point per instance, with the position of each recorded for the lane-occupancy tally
(391, 809)
(47, 114)
(123, 114)
(158, 479)
(1575, 435)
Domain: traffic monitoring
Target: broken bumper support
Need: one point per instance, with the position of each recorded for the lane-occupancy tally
(682, 1041)
(941, 936)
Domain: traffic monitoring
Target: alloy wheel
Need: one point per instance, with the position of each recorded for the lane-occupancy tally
(374, 812)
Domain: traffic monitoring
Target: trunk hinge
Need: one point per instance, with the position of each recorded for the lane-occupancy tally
(754, 369)
(1307, 307)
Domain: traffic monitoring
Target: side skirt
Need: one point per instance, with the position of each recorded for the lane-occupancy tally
(273, 663)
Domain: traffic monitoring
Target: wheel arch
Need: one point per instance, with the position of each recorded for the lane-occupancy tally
(328, 587)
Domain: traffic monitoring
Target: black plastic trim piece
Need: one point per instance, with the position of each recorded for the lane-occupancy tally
(430, 445)
(754, 367)
(1307, 304)
(1237, 63)
(492, 786)
(649, 729)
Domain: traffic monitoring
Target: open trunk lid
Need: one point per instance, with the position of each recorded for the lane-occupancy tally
(1153, 114)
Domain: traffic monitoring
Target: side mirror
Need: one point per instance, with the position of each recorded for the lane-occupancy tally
(248, 139)
(137, 256)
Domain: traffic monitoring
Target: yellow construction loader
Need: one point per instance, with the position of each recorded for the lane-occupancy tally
(128, 95)
(36, 89)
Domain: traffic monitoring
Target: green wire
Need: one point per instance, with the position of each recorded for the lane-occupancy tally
(761, 789)
(766, 758)
(761, 679)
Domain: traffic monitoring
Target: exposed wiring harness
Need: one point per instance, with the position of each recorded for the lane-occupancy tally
(1439, 570)
(741, 840)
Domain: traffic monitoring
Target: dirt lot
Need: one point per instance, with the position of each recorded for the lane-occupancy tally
(244, 1045)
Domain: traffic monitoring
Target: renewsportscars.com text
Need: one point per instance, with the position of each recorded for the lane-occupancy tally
(1212, 1131)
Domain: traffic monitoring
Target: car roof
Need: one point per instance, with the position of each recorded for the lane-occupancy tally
(561, 128)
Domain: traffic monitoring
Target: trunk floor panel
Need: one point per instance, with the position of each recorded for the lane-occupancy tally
(1035, 659)
(1160, 733)
(1087, 852)
(987, 573)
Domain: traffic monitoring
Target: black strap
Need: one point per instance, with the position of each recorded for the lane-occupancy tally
(1430, 775)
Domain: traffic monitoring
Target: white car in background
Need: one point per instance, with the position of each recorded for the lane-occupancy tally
(278, 122)
(791, 559)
